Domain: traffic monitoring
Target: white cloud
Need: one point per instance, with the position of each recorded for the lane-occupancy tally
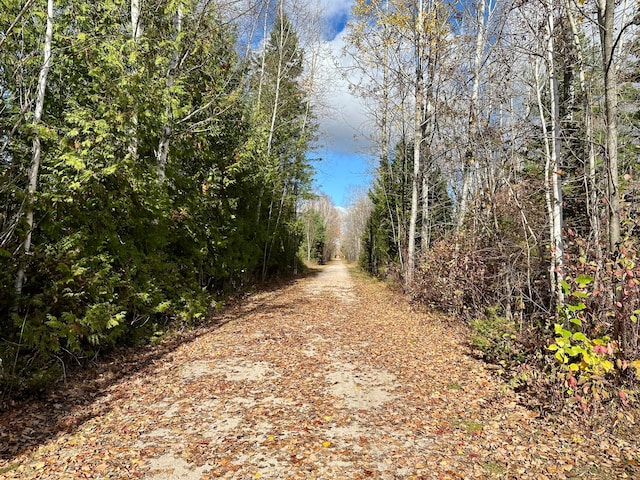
(342, 116)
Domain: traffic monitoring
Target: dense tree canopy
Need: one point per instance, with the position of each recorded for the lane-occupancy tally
(512, 194)
(169, 170)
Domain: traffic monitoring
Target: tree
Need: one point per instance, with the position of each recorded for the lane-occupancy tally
(354, 227)
(419, 31)
(113, 258)
(321, 225)
(36, 148)
(282, 114)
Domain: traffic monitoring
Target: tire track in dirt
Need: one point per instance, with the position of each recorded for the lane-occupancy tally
(329, 378)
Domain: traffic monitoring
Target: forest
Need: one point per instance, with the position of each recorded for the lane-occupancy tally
(506, 191)
(153, 156)
(157, 155)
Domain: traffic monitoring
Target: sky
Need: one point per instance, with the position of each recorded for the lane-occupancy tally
(345, 153)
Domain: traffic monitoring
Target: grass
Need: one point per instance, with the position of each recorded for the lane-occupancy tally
(472, 426)
(494, 468)
(9, 468)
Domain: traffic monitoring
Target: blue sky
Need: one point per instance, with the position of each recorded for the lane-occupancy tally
(339, 173)
(343, 149)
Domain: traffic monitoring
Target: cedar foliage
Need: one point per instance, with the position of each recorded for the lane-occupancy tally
(118, 253)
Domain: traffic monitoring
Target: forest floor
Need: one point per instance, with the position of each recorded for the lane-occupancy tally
(330, 377)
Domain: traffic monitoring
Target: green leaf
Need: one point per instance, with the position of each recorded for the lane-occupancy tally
(574, 351)
(577, 308)
(576, 321)
(561, 357)
(581, 337)
(583, 280)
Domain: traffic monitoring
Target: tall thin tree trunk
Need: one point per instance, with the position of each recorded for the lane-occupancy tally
(36, 150)
(553, 181)
(590, 164)
(554, 266)
(474, 114)
(272, 127)
(606, 11)
(426, 214)
(384, 140)
(415, 183)
(276, 101)
(557, 241)
(162, 154)
(417, 144)
(258, 102)
(136, 33)
(136, 23)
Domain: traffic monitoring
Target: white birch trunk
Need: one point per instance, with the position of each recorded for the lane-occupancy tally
(474, 114)
(417, 142)
(36, 149)
(553, 186)
(162, 154)
(557, 242)
(591, 172)
(136, 33)
(426, 227)
(276, 101)
(136, 24)
(553, 284)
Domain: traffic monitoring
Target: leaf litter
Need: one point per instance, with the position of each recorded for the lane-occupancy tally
(328, 378)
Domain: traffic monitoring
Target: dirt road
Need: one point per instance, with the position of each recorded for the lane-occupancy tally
(332, 377)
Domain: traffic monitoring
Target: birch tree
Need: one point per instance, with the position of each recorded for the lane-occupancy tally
(136, 34)
(553, 167)
(592, 198)
(36, 148)
(481, 21)
(418, 118)
(374, 46)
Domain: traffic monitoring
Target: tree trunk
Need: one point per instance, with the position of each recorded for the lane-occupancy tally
(557, 242)
(426, 214)
(474, 114)
(591, 199)
(606, 11)
(136, 33)
(417, 144)
(36, 149)
(162, 155)
(136, 23)
(553, 181)
(272, 127)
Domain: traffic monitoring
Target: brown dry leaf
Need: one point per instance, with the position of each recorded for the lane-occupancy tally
(329, 377)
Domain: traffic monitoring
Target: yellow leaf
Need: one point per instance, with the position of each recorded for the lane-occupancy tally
(271, 438)
(257, 475)
(636, 366)
(326, 444)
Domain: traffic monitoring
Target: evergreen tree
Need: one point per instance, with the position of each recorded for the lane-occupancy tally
(152, 164)
(282, 121)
